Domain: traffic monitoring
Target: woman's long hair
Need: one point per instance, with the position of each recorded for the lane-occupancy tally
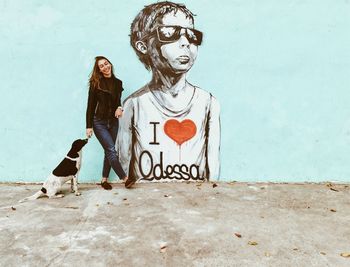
(96, 74)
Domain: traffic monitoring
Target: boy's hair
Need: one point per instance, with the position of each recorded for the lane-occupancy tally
(144, 22)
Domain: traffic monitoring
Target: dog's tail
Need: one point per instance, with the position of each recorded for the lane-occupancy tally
(35, 196)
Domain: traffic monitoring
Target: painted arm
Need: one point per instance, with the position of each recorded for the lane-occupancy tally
(124, 138)
(213, 151)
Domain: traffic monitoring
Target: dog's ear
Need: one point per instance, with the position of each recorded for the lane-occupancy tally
(80, 143)
(75, 146)
(75, 142)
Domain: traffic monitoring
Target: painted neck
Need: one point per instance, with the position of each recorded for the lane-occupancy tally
(170, 84)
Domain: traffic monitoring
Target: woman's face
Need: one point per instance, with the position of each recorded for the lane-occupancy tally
(105, 67)
(179, 54)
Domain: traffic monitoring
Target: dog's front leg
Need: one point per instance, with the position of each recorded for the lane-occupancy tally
(72, 186)
(75, 185)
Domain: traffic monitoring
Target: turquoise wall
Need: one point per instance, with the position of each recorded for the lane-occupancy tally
(280, 69)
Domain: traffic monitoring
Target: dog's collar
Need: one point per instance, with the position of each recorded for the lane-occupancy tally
(74, 159)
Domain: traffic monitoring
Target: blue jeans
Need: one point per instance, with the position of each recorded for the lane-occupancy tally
(106, 132)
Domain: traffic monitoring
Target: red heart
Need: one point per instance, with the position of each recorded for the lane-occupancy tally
(180, 132)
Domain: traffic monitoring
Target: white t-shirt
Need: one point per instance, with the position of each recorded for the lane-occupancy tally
(156, 143)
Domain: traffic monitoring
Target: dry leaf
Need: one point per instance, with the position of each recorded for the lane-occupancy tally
(166, 195)
(163, 249)
(329, 184)
(125, 199)
(238, 235)
(295, 249)
(13, 208)
(333, 210)
(252, 243)
(214, 185)
(345, 255)
(323, 253)
(69, 207)
(333, 189)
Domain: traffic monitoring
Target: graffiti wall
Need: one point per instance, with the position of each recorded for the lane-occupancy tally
(171, 128)
(236, 90)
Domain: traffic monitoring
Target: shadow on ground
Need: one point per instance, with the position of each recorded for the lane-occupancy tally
(178, 224)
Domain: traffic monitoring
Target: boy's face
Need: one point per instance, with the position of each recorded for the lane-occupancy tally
(180, 54)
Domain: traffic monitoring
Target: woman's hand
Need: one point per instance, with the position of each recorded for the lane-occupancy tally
(118, 112)
(89, 132)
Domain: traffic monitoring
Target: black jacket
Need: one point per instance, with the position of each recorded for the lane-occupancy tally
(103, 102)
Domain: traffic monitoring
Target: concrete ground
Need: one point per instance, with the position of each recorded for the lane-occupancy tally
(178, 224)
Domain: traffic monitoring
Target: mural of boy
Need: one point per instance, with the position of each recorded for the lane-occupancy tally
(170, 129)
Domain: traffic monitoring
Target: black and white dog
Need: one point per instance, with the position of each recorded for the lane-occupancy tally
(67, 170)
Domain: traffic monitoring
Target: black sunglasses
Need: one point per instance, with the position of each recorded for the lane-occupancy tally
(172, 33)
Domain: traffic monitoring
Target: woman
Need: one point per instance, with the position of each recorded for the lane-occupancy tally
(103, 110)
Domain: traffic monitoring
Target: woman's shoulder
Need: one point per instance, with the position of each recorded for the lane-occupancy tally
(118, 80)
